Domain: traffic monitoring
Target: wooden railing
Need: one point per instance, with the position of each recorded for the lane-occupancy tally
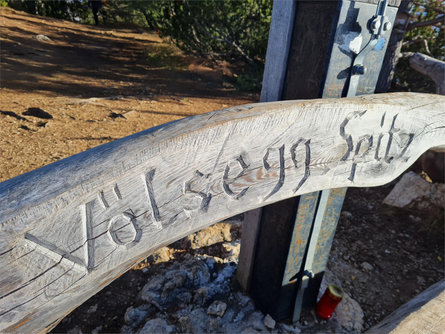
(70, 228)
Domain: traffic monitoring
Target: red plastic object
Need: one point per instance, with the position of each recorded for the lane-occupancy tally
(329, 301)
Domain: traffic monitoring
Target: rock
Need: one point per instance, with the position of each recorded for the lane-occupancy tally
(97, 330)
(92, 309)
(256, 321)
(175, 284)
(346, 214)
(225, 274)
(217, 233)
(24, 127)
(75, 330)
(184, 298)
(249, 330)
(240, 316)
(290, 329)
(233, 250)
(13, 114)
(243, 300)
(114, 115)
(37, 112)
(229, 315)
(158, 326)
(134, 316)
(125, 329)
(217, 308)
(413, 192)
(269, 322)
(42, 38)
(367, 266)
(213, 324)
(163, 254)
(201, 295)
(348, 316)
(195, 321)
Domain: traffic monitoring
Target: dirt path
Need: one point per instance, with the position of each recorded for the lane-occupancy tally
(98, 84)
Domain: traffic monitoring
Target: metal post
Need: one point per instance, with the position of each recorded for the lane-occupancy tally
(291, 250)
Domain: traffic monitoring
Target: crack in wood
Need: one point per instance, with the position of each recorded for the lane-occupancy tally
(6, 252)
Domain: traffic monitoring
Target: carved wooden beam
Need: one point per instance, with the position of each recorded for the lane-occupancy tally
(70, 228)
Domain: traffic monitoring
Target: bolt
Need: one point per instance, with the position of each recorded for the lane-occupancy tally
(387, 26)
(375, 24)
(359, 69)
(308, 273)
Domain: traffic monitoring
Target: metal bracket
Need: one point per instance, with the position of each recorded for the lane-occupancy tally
(377, 26)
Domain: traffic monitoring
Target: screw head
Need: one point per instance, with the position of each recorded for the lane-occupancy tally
(359, 69)
(308, 273)
(387, 26)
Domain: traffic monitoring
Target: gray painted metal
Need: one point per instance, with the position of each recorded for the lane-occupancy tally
(377, 25)
(351, 36)
(307, 270)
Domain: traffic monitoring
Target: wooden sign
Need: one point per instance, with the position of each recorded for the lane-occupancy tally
(70, 228)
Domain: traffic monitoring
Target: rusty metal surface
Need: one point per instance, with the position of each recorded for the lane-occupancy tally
(327, 231)
(300, 237)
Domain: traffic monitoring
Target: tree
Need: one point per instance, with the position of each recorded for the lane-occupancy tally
(75, 10)
(419, 28)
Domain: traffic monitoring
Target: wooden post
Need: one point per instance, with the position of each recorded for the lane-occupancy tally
(319, 62)
(279, 42)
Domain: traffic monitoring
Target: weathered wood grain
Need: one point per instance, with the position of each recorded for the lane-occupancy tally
(422, 314)
(70, 228)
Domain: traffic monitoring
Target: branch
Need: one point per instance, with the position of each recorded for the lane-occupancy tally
(418, 39)
(429, 66)
(437, 20)
(435, 9)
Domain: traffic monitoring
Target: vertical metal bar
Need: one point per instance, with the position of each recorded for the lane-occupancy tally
(352, 13)
(307, 270)
(300, 236)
